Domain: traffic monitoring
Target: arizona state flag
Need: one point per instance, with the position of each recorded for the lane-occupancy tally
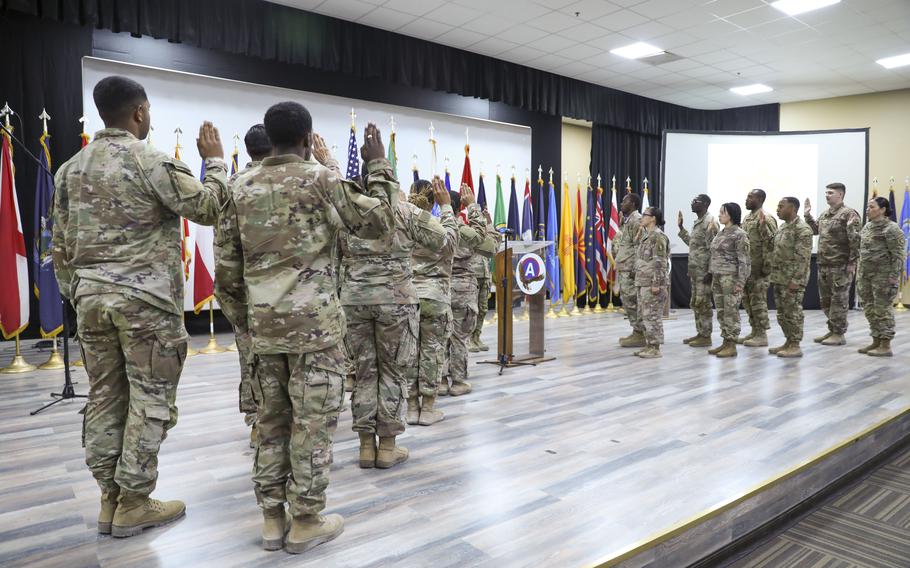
(13, 263)
(567, 248)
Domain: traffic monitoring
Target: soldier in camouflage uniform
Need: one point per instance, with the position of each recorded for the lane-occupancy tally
(838, 250)
(477, 237)
(258, 148)
(651, 263)
(481, 266)
(274, 277)
(625, 247)
(432, 280)
(755, 294)
(703, 232)
(380, 302)
(117, 210)
(791, 253)
(881, 262)
(729, 268)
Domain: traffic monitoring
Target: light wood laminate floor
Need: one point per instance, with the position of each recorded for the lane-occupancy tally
(563, 464)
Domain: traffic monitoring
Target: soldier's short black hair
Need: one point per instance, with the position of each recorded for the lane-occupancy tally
(704, 197)
(116, 97)
(257, 142)
(658, 215)
(884, 204)
(636, 199)
(287, 123)
(734, 211)
(793, 201)
(761, 193)
(456, 200)
(837, 186)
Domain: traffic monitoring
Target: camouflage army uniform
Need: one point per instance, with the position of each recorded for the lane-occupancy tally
(274, 277)
(625, 248)
(651, 264)
(481, 267)
(380, 303)
(117, 210)
(838, 248)
(730, 266)
(881, 262)
(792, 250)
(475, 237)
(755, 294)
(244, 343)
(703, 232)
(432, 280)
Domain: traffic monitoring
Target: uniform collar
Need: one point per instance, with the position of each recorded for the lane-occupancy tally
(113, 133)
(286, 159)
(835, 208)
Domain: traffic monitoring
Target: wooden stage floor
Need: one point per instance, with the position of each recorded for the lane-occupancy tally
(564, 464)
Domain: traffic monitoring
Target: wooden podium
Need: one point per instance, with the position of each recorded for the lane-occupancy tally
(509, 256)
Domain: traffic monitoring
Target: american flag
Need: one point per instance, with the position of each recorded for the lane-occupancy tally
(353, 156)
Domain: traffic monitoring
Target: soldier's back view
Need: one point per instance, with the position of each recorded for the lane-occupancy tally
(117, 210)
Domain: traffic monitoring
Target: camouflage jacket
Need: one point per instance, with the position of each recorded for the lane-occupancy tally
(838, 235)
(761, 239)
(273, 270)
(475, 237)
(730, 254)
(117, 209)
(653, 259)
(703, 232)
(378, 271)
(432, 266)
(792, 251)
(480, 263)
(625, 245)
(882, 250)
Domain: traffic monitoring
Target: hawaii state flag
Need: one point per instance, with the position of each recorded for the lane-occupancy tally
(13, 262)
(527, 223)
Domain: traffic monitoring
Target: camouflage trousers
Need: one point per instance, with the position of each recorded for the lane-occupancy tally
(755, 300)
(651, 313)
(790, 311)
(483, 302)
(384, 339)
(727, 301)
(878, 297)
(299, 397)
(700, 302)
(432, 348)
(834, 293)
(628, 295)
(133, 354)
(464, 317)
(247, 402)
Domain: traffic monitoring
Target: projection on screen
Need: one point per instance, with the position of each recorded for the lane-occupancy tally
(791, 164)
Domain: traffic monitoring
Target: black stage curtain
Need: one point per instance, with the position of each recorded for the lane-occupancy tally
(275, 32)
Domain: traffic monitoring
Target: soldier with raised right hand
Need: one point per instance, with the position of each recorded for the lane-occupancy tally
(760, 226)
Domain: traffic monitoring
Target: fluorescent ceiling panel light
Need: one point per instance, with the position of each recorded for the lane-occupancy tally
(752, 89)
(896, 61)
(794, 7)
(637, 50)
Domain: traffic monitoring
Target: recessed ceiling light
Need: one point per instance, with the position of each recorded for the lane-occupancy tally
(752, 89)
(896, 61)
(794, 7)
(637, 50)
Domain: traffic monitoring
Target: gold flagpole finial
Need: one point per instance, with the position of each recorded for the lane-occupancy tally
(646, 185)
(497, 170)
(353, 117)
(177, 132)
(551, 175)
(45, 117)
(84, 122)
(467, 140)
(513, 171)
(892, 182)
(613, 182)
(907, 182)
(578, 178)
(598, 180)
(527, 173)
(5, 112)
(236, 143)
(432, 130)
(540, 172)
(414, 162)
(392, 123)
(446, 160)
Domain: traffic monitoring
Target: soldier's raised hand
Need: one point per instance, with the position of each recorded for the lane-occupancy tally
(440, 193)
(807, 207)
(321, 151)
(761, 217)
(209, 142)
(679, 219)
(467, 195)
(372, 148)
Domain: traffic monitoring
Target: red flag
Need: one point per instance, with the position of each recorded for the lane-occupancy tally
(85, 139)
(466, 178)
(204, 265)
(13, 262)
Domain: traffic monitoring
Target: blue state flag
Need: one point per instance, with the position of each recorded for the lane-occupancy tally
(905, 226)
(50, 305)
(512, 219)
(552, 260)
(540, 212)
(482, 194)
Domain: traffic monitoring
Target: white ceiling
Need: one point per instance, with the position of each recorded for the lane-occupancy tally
(724, 43)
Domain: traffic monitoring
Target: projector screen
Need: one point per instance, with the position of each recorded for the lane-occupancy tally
(726, 166)
(184, 100)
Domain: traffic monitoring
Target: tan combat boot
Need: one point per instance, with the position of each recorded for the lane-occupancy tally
(275, 525)
(108, 508)
(821, 338)
(134, 515)
(834, 339)
(459, 388)
(728, 349)
(883, 349)
(756, 340)
(413, 415)
(650, 352)
(389, 454)
(718, 349)
(776, 350)
(634, 340)
(443, 388)
(428, 414)
(481, 345)
(868, 348)
(309, 531)
(791, 350)
(472, 345)
(700, 341)
(689, 340)
(743, 340)
(367, 450)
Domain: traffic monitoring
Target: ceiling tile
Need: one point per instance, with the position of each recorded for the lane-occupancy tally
(386, 19)
(555, 22)
(492, 46)
(724, 8)
(586, 33)
(580, 52)
(590, 9)
(452, 14)
(553, 43)
(424, 29)
(415, 7)
(621, 20)
(756, 16)
(655, 9)
(460, 38)
(648, 31)
(345, 9)
(523, 54)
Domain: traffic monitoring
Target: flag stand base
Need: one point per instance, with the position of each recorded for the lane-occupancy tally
(18, 364)
(212, 347)
(54, 362)
(231, 347)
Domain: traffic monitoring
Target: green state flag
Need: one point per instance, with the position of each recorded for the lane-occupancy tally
(393, 156)
(499, 214)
